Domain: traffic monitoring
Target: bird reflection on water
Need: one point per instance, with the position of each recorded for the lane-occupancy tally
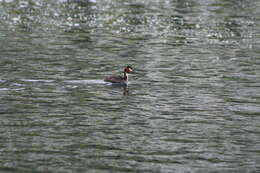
(122, 87)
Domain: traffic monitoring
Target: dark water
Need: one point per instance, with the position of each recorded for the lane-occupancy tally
(192, 105)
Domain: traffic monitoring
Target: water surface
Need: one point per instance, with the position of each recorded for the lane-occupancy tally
(192, 104)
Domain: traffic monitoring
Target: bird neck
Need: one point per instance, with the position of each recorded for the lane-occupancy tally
(125, 76)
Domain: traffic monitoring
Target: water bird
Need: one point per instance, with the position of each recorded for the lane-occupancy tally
(120, 79)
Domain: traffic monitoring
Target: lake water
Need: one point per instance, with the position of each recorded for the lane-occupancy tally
(192, 104)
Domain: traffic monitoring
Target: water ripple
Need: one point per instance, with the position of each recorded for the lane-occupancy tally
(192, 102)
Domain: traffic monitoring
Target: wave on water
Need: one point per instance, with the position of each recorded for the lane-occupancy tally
(36, 80)
(86, 81)
(67, 81)
(16, 85)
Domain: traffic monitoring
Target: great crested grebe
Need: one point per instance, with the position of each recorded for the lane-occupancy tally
(120, 79)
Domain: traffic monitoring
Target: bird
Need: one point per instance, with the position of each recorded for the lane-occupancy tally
(120, 79)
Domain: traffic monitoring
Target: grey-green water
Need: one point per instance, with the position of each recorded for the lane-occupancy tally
(193, 102)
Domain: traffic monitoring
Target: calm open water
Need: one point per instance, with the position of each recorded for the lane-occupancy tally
(192, 105)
